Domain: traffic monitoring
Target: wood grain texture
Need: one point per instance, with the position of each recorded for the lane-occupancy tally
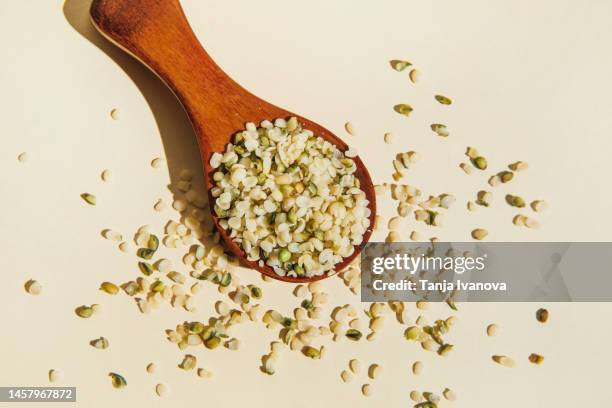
(157, 33)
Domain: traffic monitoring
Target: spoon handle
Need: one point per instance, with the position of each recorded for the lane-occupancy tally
(157, 33)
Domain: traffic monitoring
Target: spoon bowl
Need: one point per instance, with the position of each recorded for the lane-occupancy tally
(157, 33)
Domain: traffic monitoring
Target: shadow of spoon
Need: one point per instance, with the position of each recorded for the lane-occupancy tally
(180, 146)
(178, 138)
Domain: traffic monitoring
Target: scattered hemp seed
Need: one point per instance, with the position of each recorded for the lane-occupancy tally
(393, 236)
(346, 376)
(84, 312)
(376, 309)
(492, 330)
(403, 210)
(413, 157)
(414, 75)
(188, 363)
(22, 157)
(350, 129)
(471, 152)
(416, 396)
(399, 65)
(196, 288)
(504, 361)
(112, 235)
(422, 305)
(151, 367)
(165, 266)
(366, 390)
(494, 180)
(156, 162)
(519, 220)
(538, 205)
(443, 100)
(542, 315)
(444, 349)
(33, 287)
(255, 291)
(204, 373)
(374, 371)
(159, 205)
(161, 390)
(422, 215)
(311, 352)
(479, 234)
(506, 176)
(394, 223)
(403, 109)
(536, 358)
(353, 334)
(174, 276)
(400, 170)
(484, 198)
(153, 243)
(114, 114)
(232, 344)
(54, 375)
(131, 288)
(440, 129)
(106, 175)
(101, 343)
(467, 169)
(449, 394)
(89, 198)
(431, 398)
(196, 328)
(446, 200)
(355, 365)
(413, 333)
(143, 305)
(117, 380)
(417, 368)
(515, 201)
(376, 324)
(388, 138)
(480, 163)
(518, 166)
(145, 267)
(145, 253)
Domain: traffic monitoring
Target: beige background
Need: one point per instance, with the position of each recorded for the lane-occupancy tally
(530, 81)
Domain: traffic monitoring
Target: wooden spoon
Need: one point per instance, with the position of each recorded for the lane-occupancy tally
(157, 33)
